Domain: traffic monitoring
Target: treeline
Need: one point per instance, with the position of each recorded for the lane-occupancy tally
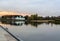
(36, 17)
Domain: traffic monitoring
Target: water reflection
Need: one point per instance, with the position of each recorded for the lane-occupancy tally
(16, 23)
(20, 23)
(33, 23)
(27, 31)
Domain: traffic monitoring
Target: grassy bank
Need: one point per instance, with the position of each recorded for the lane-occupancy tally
(42, 21)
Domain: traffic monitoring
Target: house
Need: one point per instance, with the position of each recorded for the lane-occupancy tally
(14, 17)
(18, 17)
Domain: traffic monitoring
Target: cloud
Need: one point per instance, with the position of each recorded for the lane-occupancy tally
(33, 6)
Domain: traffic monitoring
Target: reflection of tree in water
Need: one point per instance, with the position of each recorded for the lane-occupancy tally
(57, 22)
(33, 23)
(16, 23)
(20, 23)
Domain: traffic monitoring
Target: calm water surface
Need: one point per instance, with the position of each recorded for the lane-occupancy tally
(43, 32)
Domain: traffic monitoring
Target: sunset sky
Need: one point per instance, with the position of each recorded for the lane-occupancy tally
(41, 7)
(12, 13)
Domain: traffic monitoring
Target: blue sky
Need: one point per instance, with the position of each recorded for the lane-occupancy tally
(42, 7)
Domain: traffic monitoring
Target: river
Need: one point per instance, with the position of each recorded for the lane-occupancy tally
(34, 31)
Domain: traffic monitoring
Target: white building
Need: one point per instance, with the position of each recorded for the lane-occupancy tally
(14, 17)
(19, 18)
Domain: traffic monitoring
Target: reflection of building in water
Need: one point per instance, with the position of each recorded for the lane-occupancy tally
(13, 17)
(17, 23)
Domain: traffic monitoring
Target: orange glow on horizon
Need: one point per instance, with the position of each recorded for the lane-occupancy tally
(13, 13)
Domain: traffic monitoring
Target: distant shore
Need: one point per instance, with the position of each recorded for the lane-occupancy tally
(42, 20)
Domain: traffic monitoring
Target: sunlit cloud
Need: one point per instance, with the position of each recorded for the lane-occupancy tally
(42, 7)
(12, 13)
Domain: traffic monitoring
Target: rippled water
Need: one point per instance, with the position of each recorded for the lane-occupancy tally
(42, 32)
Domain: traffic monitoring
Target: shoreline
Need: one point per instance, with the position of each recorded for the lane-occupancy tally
(42, 21)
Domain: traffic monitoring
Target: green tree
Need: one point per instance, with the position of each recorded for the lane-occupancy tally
(34, 17)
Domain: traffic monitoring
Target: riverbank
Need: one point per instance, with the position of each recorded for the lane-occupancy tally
(42, 21)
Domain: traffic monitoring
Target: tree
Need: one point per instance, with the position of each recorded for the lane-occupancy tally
(34, 17)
